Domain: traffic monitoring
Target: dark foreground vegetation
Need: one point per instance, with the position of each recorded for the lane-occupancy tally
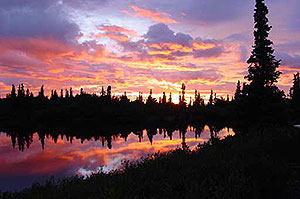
(260, 161)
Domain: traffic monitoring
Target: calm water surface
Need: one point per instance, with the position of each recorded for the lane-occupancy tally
(21, 168)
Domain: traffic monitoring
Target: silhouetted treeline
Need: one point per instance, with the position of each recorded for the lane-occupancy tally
(21, 108)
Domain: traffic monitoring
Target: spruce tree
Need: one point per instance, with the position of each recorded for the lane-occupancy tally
(27, 92)
(61, 93)
(295, 90)
(238, 91)
(13, 92)
(42, 92)
(211, 100)
(102, 92)
(67, 94)
(164, 98)
(197, 99)
(170, 99)
(183, 87)
(150, 99)
(21, 91)
(263, 64)
(71, 92)
(263, 100)
(108, 93)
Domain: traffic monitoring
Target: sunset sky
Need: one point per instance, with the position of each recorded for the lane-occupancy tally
(136, 45)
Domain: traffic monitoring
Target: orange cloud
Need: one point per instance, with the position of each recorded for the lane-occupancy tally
(203, 46)
(169, 48)
(118, 29)
(160, 52)
(161, 17)
(113, 36)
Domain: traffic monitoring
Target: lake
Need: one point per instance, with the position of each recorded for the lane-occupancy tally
(29, 159)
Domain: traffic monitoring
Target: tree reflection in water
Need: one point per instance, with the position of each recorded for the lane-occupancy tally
(22, 138)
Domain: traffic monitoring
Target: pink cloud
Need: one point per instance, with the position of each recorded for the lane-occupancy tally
(161, 17)
(118, 29)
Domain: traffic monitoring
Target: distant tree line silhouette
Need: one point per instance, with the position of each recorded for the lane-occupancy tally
(21, 108)
(107, 96)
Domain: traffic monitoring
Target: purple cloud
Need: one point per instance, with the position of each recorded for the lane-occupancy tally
(161, 33)
(212, 52)
(292, 61)
(36, 19)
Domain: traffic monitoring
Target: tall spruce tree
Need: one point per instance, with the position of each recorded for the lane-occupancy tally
(263, 100)
(263, 64)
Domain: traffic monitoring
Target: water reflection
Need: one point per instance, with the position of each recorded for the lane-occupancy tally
(34, 157)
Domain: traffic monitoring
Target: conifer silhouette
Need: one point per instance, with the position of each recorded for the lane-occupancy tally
(263, 64)
(13, 92)
(238, 91)
(295, 90)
